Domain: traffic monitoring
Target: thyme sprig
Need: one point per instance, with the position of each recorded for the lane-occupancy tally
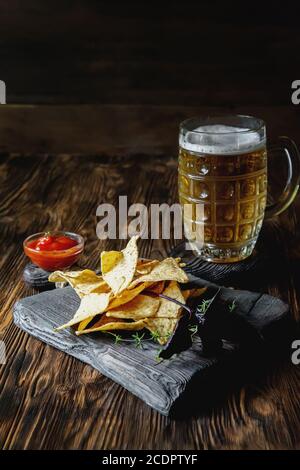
(117, 338)
(155, 335)
(138, 339)
(204, 306)
(194, 330)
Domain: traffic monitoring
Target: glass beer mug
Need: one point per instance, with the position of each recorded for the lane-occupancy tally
(223, 171)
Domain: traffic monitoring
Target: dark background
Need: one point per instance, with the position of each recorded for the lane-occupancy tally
(110, 82)
(161, 53)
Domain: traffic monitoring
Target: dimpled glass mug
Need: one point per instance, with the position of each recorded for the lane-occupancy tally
(223, 169)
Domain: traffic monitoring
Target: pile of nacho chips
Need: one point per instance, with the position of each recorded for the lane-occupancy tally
(125, 296)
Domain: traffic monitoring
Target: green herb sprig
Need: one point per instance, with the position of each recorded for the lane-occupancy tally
(138, 339)
(194, 330)
(117, 338)
(204, 305)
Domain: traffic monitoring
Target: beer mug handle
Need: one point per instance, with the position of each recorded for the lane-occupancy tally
(293, 177)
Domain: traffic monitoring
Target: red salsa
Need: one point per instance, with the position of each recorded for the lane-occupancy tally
(53, 251)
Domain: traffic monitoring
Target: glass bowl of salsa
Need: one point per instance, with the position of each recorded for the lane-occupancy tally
(54, 250)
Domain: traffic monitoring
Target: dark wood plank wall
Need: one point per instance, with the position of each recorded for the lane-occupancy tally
(151, 64)
(188, 53)
(119, 129)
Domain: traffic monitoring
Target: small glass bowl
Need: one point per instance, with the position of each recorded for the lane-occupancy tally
(55, 259)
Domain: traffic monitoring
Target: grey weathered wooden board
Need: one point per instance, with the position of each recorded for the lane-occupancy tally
(161, 384)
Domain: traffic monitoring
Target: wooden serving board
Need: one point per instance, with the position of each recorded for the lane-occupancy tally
(162, 385)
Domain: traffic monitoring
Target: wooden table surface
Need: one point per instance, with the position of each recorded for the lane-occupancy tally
(51, 401)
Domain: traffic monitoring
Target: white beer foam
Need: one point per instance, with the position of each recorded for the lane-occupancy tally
(219, 139)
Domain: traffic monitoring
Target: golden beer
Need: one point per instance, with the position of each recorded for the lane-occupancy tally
(224, 168)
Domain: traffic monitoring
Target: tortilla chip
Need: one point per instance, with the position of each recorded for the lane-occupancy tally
(167, 308)
(90, 306)
(124, 298)
(140, 307)
(118, 270)
(84, 282)
(196, 292)
(161, 327)
(156, 287)
(84, 323)
(109, 262)
(145, 266)
(166, 270)
(127, 295)
(186, 293)
(104, 320)
(192, 293)
(108, 324)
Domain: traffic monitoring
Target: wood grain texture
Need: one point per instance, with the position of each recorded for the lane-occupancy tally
(120, 130)
(50, 400)
(159, 384)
